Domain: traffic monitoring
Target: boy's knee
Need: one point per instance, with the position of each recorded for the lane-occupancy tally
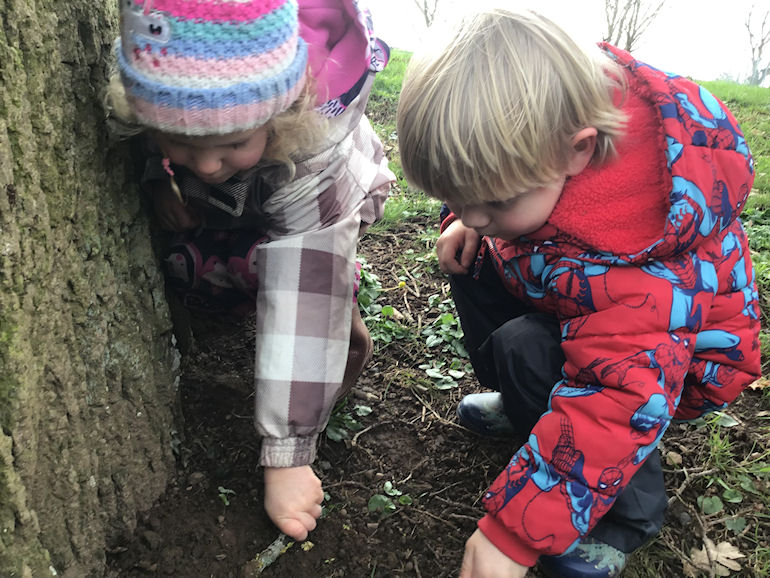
(518, 337)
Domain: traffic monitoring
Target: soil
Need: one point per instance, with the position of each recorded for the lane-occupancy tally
(211, 521)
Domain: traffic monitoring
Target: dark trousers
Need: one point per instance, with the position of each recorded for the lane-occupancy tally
(517, 351)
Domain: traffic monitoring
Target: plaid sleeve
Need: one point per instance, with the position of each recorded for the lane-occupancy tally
(303, 333)
(305, 299)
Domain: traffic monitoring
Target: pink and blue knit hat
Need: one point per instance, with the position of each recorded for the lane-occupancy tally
(203, 67)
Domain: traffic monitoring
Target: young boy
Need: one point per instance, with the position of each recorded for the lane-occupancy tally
(600, 270)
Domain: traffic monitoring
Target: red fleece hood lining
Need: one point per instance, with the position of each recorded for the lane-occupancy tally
(621, 207)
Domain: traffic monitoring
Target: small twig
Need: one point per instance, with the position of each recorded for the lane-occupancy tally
(674, 548)
(458, 505)
(408, 309)
(434, 516)
(351, 483)
(704, 538)
(416, 568)
(354, 441)
(416, 291)
(267, 556)
(435, 414)
(688, 477)
(464, 517)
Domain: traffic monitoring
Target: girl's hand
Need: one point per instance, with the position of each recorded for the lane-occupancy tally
(456, 248)
(293, 498)
(482, 559)
(172, 214)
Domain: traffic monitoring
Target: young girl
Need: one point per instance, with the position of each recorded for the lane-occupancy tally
(260, 156)
(600, 270)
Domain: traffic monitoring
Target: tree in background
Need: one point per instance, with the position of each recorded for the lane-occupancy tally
(627, 20)
(428, 10)
(759, 40)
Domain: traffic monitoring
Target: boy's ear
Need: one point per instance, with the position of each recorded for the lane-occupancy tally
(583, 147)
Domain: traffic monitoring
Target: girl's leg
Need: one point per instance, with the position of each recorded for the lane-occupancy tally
(201, 269)
(361, 344)
(359, 354)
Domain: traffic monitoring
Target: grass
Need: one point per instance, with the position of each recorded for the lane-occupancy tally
(734, 487)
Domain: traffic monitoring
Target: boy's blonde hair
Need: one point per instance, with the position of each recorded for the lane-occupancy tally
(493, 114)
(291, 134)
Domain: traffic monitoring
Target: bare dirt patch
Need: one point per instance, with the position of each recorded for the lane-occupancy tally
(211, 521)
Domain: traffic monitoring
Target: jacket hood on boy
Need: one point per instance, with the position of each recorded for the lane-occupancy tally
(685, 171)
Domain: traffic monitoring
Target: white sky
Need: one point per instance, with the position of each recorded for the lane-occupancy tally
(704, 39)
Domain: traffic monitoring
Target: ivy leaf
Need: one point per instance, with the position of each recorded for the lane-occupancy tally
(710, 504)
(736, 525)
(732, 496)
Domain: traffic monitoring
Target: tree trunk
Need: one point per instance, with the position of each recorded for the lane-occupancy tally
(87, 367)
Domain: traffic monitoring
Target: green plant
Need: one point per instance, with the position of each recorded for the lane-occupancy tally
(443, 374)
(342, 422)
(380, 319)
(225, 494)
(407, 205)
(387, 503)
(445, 332)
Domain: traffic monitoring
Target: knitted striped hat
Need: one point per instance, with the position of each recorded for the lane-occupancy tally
(202, 67)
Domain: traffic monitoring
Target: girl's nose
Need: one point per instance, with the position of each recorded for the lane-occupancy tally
(207, 163)
(474, 217)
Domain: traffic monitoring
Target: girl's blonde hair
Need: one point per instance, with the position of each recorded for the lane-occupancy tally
(494, 112)
(291, 134)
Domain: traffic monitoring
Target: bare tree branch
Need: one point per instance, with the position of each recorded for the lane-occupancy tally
(627, 20)
(428, 10)
(758, 42)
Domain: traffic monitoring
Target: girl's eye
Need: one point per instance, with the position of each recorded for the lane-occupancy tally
(237, 145)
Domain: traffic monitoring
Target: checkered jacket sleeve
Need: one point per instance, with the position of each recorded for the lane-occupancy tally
(304, 304)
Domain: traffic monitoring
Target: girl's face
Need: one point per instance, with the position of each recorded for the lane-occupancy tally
(522, 214)
(215, 158)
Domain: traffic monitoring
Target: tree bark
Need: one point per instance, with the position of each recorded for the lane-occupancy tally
(87, 365)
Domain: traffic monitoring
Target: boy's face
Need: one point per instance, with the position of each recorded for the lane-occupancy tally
(215, 158)
(522, 214)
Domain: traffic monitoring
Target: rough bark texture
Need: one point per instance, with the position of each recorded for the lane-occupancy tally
(87, 368)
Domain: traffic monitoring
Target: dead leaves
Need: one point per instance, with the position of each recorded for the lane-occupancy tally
(760, 384)
(721, 559)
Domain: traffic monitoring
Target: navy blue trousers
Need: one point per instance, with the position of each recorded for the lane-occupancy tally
(517, 351)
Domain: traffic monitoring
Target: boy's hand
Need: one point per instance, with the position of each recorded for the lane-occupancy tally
(293, 499)
(456, 248)
(482, 559)
(172, 214)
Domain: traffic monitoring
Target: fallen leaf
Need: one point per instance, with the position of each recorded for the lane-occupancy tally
(724, 556)
(760, 384)
(674, 459)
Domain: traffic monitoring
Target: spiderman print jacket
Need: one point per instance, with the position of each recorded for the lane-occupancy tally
(646, 265)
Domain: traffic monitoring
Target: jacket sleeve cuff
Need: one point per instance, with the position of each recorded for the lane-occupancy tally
(288, 452)
(507, 542)
(446, 220)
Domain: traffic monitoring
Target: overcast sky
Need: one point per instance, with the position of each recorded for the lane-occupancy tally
(704, 39)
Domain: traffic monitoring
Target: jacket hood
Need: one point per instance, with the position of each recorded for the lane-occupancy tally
(341, 45)
(683, 171)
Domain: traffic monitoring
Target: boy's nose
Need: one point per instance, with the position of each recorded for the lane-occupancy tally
(474, 218)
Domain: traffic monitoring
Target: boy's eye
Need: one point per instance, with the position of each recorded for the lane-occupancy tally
(501, 204)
